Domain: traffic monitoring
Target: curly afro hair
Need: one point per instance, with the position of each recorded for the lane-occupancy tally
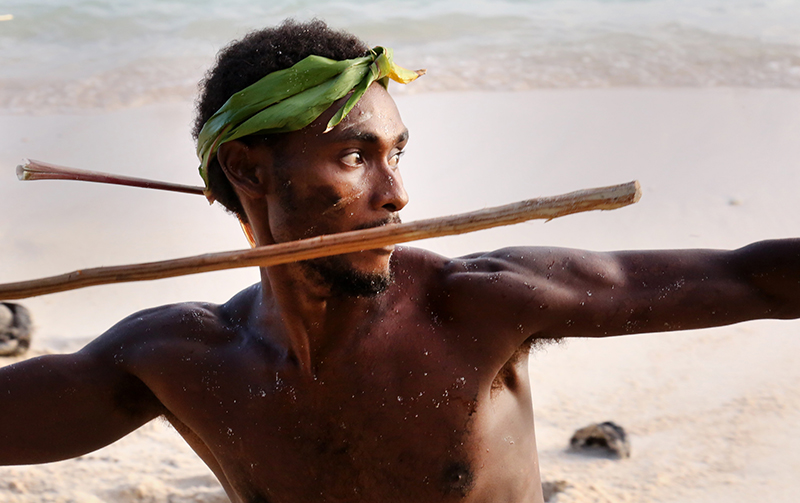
(244, 62)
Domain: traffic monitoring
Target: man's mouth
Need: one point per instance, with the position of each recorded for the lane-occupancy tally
(394, 218)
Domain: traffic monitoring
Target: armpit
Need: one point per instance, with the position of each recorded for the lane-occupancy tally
(133, 398)
(508, 378)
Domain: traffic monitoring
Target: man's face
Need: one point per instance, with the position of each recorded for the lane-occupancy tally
(342, 180)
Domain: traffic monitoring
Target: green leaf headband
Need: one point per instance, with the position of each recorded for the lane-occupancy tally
(293, 98)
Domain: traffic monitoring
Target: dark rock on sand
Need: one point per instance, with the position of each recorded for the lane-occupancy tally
(15, 329)
(608, 438)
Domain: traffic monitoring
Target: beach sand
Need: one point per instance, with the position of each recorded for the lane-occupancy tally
(710, 413)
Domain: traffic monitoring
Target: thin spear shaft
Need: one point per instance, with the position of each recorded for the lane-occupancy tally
(38, 170)
(604, 198)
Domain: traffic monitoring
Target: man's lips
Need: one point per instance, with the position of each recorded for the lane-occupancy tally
(392, 219)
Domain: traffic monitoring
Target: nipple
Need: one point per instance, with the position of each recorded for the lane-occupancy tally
(457, 478)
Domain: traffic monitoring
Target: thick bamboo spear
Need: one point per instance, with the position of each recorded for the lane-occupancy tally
(604, 198)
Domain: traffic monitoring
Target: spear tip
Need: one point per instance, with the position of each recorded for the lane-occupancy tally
(22, 170)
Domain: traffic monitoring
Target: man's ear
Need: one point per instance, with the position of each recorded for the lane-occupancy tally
(245, 168)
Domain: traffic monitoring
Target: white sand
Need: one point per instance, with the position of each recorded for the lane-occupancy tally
(710, 413)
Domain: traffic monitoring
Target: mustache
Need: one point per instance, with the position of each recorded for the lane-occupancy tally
(394, 218)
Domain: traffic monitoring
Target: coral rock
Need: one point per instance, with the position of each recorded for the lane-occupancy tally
(605, 437)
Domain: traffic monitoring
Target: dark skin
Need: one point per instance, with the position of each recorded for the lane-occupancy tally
(295, 392)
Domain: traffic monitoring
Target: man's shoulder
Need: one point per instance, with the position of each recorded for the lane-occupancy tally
(475, 275)
(479, 263)
(406, 256)
(522, 273)
(420, 267)
(183, 322)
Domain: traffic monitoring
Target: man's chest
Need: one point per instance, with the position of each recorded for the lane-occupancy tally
(375, 423)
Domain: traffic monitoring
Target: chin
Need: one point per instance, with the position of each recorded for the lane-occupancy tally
(346, 279)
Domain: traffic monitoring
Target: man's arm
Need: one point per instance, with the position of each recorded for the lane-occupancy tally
(60, 406)
(652, 291)
(541, 292)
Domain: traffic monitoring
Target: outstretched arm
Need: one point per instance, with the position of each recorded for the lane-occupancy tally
(539, 292)
(60, 406)
(654, 291)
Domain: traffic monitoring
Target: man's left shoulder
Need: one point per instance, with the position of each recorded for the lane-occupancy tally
(424, 264)
(407, 256)
(419, 264)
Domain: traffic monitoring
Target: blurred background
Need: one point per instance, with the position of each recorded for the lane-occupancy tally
(698, 99)
(68, 55)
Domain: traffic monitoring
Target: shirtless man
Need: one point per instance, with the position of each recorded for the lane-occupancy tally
(380, 376)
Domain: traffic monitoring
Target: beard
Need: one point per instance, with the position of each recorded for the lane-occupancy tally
(334, 271)
(344, 280)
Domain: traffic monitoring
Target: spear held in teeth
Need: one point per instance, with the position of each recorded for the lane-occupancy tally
(547, 208)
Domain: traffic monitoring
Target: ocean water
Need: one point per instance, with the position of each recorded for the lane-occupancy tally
(76, 54)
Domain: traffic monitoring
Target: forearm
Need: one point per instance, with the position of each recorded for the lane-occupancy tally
(616, 293)
(56, 407)
(688, 289)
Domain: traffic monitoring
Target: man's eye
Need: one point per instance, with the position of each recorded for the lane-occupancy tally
(353, 159)
(395, 159)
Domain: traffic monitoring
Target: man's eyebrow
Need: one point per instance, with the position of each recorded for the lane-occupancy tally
(367, 136)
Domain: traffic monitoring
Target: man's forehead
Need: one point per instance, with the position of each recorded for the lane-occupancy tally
(355, 118)
(373, 118)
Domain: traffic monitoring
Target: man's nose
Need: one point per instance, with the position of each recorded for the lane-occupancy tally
(390, 193)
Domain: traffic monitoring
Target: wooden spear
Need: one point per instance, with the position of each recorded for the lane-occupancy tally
(38, 170)
(604, 198)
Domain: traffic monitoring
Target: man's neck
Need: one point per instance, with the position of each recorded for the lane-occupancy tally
(308, 317)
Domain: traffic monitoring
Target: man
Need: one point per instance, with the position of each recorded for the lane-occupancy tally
(385, 375)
